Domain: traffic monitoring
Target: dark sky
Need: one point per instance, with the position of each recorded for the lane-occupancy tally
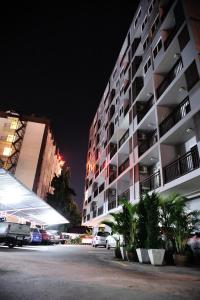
(61, 53)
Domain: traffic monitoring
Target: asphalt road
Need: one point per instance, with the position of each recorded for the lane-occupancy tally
(83, 272)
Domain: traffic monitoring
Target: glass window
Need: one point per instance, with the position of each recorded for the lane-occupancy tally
(10, 138)
(147, 65)
(7, 151)
(14, 123)
(157, 48)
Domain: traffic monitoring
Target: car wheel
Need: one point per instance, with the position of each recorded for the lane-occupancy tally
(95, 246)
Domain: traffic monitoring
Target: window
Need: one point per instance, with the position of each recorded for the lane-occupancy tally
(157, 48)
(116, 120)
(146, 43)
(14, 123)
(121, 111)
(155, 25)
(137, 17)
(147, 65)
(144, 23)
(191, 75)
(10, 138)
(151, 6)
(7, 151)
(183, 38)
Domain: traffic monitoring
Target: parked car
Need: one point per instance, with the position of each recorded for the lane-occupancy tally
(14, 234)
(99, 238)
(47, 237)
(36, 236)
(55, 236)
(110, 242)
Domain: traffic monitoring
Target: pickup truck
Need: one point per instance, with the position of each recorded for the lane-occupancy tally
(12, 234)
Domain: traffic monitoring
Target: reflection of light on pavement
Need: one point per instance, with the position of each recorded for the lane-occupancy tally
(32, 248)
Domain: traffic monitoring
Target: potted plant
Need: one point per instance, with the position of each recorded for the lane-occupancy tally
(124, 225)
(142, 251)
(181, 222)
(153, 243)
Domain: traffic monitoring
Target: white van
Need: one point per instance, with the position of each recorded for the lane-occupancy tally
(99, 238)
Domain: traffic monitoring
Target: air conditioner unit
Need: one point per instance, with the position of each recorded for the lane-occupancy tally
(143, 170)
(112, 192)
(141, 136)
(113, 168)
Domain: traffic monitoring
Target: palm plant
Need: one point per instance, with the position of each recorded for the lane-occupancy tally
(124, 223)
(177, 221)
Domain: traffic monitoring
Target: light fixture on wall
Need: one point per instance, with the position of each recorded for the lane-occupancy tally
(149, 94)
(176, 55)
(188, 130)
(182, 89)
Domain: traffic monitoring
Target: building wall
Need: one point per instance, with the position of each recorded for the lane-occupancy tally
(51, 165)
(38, 158)
(154, 82)
(29, 154)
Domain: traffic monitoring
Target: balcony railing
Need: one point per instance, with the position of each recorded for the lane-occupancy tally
(124, 138)
(150, 183)
(170, 77)
(179, 113)
(112, 177)
(183, 165)
(111, 204)
(142, 113)
(101, 187)
(124, 196)
(96, 192)
(123, 166)
(151, 140)
(94, 213)
(100, 210)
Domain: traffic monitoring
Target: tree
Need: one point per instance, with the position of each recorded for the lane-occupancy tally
(62, 198)
(142, 228)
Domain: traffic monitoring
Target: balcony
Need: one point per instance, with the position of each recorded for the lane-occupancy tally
(102, 166)
(101, 187)
(178, 114)
(94, 213)
(124, 138)
(137, 86)
(112, 177)
(96, 192)
(113, 149)
(151, 183)
(135, 64)
(111, 204)
(100, 210)
(124, 196)
(123, 166)
(134, 46)
(170, 77)
(183, 165)
(147, 144)
(126, 109)
(144, 111)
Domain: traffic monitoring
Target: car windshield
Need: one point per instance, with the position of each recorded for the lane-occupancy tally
(104, 234)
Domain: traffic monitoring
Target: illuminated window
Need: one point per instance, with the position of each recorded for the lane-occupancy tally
(7, 151)
(14, 123)
(10, 138)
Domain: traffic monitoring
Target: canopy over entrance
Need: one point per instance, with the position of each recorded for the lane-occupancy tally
(17, 200)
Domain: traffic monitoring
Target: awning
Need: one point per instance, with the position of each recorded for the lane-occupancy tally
(16, 199)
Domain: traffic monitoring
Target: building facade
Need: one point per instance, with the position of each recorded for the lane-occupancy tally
(28, 150)
(145, 135)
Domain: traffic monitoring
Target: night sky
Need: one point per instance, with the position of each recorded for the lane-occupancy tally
(56, 54)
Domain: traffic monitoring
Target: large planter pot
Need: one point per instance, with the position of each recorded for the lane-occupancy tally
(132, 256)
(143, 255)
(180, 259)
(123, 253)
(156, 256)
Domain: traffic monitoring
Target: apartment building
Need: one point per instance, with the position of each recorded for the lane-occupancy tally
(145, 135)
(28, 150)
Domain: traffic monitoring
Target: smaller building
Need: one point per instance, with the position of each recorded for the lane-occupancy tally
(28, 150)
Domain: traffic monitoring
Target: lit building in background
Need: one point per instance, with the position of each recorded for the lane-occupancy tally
(28, 150)
(146, 132)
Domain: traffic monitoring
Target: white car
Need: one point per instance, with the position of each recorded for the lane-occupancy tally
(99, 238)
(111, 242)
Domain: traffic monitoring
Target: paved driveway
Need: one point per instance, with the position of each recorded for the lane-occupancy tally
(82, 272)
